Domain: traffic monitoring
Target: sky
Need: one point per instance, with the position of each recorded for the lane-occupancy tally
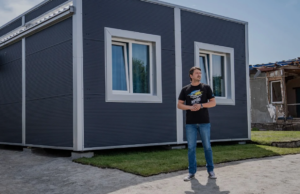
(274, 25)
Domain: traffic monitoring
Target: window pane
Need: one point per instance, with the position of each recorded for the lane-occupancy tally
(140, 68)
(208, 66)
(118, 68)
(218, 75)
(276, 92)
(203, 70)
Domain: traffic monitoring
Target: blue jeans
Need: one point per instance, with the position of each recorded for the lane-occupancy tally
(191, 134)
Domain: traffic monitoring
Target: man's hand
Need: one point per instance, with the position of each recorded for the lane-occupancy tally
(196, 107)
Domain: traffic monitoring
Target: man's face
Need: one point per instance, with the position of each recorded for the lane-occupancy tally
(196, 75)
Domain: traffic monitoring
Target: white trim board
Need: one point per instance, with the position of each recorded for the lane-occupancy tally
(248, 80)
(159, 144)
(78, 93)
(178, 70)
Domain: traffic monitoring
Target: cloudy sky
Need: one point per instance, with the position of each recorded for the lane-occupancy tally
(274, 25)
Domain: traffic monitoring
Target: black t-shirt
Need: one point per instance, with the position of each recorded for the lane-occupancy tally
(196, 95)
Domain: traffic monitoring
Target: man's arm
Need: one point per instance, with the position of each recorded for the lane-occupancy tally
(182, 106)
(210, 104)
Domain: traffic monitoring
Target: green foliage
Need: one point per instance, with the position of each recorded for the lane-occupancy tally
(140, 76)
(218, 87)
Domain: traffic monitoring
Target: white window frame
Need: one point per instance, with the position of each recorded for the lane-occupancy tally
(126, 68)
(154, 42)
(206, 68)
(130, 78)
(204, 53)
(277, 102)
(228, 54)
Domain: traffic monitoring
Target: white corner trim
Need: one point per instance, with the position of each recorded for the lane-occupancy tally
(248, 81)
(219, 49)
(178, 69)
(111, 96)
(78, 95)
(23, 87)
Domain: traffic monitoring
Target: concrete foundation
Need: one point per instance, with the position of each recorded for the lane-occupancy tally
(76, 155)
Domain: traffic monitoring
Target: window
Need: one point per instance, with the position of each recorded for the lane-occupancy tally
(133, 67)
(215, 77)
(216, 63)
(276, 96)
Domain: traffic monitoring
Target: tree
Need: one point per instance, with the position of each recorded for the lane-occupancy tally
(140, 74)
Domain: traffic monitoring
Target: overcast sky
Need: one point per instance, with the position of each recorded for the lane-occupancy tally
(274, 25)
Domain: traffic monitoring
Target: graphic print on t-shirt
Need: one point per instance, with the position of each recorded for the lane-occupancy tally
(196, 96)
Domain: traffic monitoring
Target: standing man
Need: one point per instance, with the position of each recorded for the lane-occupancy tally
(198, 97)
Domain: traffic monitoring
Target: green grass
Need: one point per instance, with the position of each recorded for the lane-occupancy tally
(267, 137)
(155, 161)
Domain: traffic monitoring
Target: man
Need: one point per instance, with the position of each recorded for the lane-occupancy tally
(197, 97)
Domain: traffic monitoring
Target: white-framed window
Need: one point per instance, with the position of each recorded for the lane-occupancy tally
(133, 67)
(217, 65)
(276, 94)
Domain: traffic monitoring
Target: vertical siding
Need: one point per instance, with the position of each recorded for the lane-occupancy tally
(11, 94)
(113, 124)
(49, 86)
(227, 121)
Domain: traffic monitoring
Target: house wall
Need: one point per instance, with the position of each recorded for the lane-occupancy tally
(49, 86)
(119, 124)
(49, 78)
(227, 121)
(11, 93)
(48, 60)
(259, 100)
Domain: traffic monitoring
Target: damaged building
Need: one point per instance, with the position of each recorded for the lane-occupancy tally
(275, 95)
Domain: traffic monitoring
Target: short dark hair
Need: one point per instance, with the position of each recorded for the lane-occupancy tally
(192, 71)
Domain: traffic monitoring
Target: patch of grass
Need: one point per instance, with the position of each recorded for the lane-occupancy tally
(152, 162)
(254, 129)
(267, 137)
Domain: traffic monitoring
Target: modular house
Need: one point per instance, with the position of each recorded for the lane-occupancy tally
(87, 74)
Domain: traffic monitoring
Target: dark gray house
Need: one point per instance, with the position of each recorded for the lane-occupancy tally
(89, 74)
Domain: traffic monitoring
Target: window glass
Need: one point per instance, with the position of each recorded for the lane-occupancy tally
(218, 75)
(276, 92)
(140, 68)
(203, 69)
(118, 68)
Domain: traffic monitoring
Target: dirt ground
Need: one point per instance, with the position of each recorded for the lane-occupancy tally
(23, 172)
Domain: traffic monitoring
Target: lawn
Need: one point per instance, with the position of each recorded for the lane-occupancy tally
(152, 161)
(267, 137)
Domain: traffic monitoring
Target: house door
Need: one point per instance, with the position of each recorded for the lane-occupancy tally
(298, 101)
